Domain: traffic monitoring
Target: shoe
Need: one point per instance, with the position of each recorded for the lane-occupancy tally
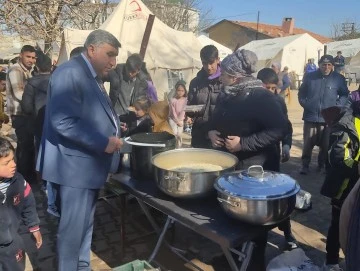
(291, 241)
(304, 170)
(331, 267)
(53, 211)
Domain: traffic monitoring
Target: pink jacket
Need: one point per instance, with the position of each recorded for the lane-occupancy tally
(177, 109)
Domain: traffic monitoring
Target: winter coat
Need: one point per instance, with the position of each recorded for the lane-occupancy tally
(202, 91)
(34, 100)
(287, 140)
(17, 206)
(124, 91)
(318, 92)
(260, 131)
(342, 169)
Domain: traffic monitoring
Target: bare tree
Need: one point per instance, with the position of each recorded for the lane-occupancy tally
(45, 19)
(345, 31)
(185, 15)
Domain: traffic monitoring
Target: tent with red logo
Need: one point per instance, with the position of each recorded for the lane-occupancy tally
(171, 55)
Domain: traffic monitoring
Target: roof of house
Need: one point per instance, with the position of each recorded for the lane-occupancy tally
(275, 31)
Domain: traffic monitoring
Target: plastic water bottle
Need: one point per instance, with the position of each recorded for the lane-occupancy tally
(303, 200)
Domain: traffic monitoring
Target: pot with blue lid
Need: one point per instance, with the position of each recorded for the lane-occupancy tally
(257, 196)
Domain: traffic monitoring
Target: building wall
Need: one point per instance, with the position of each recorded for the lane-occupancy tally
(230, 35)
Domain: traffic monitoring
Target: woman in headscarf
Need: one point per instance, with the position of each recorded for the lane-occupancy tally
(248, 122)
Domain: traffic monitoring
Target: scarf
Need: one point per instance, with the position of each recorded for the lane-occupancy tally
(242, 84)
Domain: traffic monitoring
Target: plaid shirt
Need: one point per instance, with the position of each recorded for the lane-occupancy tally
(16, 80)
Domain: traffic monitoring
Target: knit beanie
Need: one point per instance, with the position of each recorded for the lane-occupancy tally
(240, 63)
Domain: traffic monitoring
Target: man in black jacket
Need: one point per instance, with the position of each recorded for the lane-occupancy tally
(204, 90)
(126, 85)
(320, 89)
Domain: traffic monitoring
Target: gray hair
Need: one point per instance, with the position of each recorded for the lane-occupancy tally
(98, 37)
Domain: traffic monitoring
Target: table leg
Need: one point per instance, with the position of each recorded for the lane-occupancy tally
(160, 240)
(149, 216)
(244, 256)
(122, 222)
(230, 259)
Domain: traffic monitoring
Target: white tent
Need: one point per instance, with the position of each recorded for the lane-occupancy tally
(223, 50)
(170, 54)
(292, 51)
(350, 50)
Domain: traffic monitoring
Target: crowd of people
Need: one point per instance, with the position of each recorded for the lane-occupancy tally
(69, 134)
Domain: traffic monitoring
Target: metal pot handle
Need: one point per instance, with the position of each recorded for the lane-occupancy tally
(255, 167)
(228, 202)
(258, 172)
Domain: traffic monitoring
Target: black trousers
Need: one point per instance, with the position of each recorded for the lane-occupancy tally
(25, 150)
(332, 241)
(12, 256)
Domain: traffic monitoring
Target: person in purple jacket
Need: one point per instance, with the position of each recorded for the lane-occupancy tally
(151, 89)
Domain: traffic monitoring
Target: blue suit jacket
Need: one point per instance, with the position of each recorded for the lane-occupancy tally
(78, 122)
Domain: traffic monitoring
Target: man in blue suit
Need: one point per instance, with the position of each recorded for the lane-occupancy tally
(80, 144)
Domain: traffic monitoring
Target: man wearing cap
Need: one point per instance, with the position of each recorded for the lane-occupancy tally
(320, 89)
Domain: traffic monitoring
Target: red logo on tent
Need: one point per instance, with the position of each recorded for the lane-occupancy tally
(136, 6)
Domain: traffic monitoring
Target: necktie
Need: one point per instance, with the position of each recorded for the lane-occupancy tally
(107, 98)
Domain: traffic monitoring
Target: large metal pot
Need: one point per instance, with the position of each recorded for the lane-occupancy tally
(144, 147)
(173, 176)
(257, 196)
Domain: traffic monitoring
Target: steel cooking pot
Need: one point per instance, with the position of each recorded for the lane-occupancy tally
(257, 196)
(144, 147)
(191, 173)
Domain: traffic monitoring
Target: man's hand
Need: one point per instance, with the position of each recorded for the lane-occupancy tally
(114, 144)
(215, 139)
(38, 238)
(232, 143)
(285, 154)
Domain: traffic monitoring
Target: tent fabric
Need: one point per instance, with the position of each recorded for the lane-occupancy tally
(168, 50)
(350, 49)
(223, 50)
(292, 51)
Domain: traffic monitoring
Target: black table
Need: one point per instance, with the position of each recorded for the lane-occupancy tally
(203, 216)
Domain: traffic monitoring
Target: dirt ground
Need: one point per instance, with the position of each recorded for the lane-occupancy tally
(309, 227)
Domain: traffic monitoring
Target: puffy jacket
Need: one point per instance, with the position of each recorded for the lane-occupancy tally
(342, 168)
(17, 206)
(202, 91)
(318, 92)
(260, 131)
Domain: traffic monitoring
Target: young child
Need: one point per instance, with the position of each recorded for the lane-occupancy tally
(143, 122)
(177, 111)
(17, 204)
(270, 81)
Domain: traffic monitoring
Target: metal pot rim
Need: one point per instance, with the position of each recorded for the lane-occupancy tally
(182, 150)
(257, 198)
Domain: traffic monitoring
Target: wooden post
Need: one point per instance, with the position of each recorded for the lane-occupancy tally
(146, 36)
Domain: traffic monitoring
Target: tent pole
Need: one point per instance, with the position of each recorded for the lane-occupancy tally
(146, 36)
